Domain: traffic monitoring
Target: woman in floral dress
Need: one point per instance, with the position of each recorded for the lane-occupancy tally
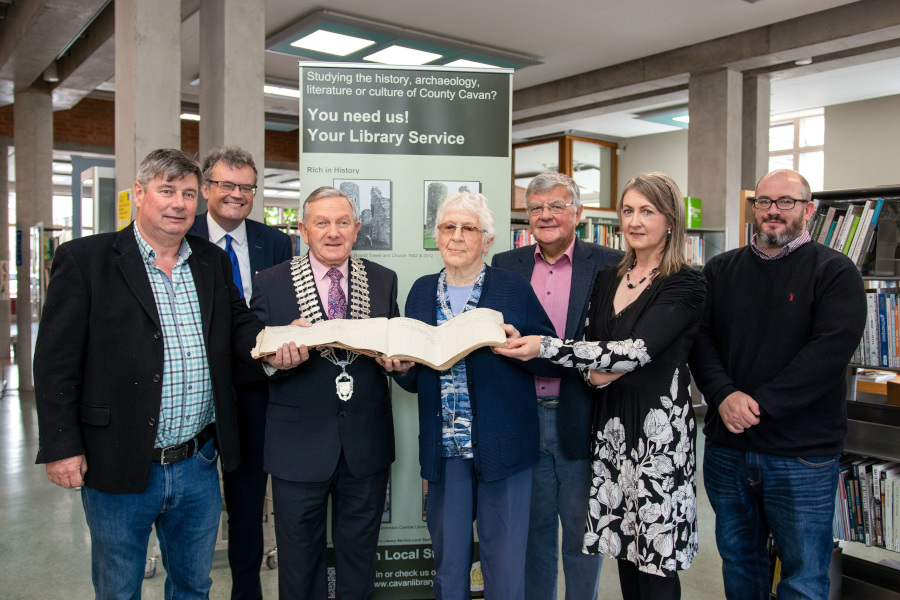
(641, 324)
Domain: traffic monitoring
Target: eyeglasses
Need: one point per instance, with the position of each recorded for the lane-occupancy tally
(228, 187)
(467, 230)
(536, 210)
(783, 203)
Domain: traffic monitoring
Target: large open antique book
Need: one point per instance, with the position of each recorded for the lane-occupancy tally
(400, 338)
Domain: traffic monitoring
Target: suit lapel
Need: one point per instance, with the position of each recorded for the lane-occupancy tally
(204, 282)
(582, 282)
(255, 247)
(131, 265)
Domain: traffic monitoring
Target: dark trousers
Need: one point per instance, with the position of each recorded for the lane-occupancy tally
(245, 492)
(357, 504)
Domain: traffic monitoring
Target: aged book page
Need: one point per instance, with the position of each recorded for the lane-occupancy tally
(401, 338)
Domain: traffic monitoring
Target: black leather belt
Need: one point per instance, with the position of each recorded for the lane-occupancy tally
(549, 401)
(177, 453)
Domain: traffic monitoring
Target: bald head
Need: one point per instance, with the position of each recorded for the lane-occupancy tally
(787, 177)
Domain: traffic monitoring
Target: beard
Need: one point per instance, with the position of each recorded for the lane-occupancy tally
(792, 230)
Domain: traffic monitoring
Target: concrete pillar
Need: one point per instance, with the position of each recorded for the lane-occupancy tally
(232, 57)
(755, 130)
(4, 250)
(33, 135)
(148, 82)
(714, 148)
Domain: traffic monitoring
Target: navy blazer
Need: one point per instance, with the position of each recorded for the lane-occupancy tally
(266, 245)
(505, 436)
(98, 360)
(576, 404)
(307, 425)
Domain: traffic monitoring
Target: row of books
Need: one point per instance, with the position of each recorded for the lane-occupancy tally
(867, 502)
(600, 233)
(880, 343)
(693, 249)
(848, 228)
(521, 237)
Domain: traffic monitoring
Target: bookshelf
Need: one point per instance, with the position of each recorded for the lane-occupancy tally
(873, 427)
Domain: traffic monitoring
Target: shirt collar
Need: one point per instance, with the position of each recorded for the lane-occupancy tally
(570, 252)
(320, 271)
(216, 233)
(149, 254)
(803, 238)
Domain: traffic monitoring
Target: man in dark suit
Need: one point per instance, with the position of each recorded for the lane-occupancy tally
(330, 426)
(561, 268)
(229, 185)
(133, 382)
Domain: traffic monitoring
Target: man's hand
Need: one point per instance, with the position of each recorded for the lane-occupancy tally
(739, 412)
(392, 365)
(68, 472)
(288, 356)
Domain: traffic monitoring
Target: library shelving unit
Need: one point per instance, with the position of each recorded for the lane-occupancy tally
(873, 430)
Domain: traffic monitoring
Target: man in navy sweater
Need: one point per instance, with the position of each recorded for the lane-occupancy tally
(783, 317)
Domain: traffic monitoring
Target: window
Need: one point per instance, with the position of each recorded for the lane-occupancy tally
(797, 142)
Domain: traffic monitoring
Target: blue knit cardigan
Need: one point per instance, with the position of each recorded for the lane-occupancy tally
(505, 438)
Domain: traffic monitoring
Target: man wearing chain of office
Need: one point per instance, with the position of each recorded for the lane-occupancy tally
(329, 425)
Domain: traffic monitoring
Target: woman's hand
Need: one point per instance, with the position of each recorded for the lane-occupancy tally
(599, 378)
(522, 348)
(392, 365)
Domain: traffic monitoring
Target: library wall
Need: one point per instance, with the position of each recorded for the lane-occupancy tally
(860, 143)
(665, 152)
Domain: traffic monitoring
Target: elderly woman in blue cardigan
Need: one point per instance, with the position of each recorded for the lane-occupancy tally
(478, 423)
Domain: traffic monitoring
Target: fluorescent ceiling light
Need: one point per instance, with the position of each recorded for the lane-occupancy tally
(332, 43)
(189, 117)
(277, 90)
(470, 63)
(62, 179)
(682, 119)
(62, 167)
(398, 55)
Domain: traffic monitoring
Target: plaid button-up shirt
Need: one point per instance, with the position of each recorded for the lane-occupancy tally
(187, 399)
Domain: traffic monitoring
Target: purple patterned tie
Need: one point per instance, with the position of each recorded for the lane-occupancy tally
(337, 302)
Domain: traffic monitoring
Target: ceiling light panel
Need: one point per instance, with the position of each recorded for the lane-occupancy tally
(330, 42)
(400, 55)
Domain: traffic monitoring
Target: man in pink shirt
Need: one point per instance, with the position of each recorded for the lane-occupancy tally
(561, 268)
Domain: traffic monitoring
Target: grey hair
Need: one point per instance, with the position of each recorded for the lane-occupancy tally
(169, 163)
(328, 192)
(551, 179)
(233, 156)
(468, 202)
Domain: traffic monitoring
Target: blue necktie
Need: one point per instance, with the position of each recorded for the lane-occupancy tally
(235, 266)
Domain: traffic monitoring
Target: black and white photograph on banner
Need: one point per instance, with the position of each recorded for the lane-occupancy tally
(372, 198)
(435, 193)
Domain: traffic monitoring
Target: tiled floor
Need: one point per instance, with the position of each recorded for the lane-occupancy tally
(45, 546)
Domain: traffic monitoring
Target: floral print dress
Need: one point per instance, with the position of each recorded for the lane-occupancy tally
(642, 504)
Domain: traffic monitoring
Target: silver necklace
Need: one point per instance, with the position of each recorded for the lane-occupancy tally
(358, 308)
(630, 285)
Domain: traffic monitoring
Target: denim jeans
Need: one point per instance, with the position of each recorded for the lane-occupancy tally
(184, 501)
(559, 494)
(500, 508)
(753, 494)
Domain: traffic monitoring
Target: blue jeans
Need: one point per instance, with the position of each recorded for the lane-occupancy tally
(559, 494)
(500, 508)
(184, 501)
(753, 494)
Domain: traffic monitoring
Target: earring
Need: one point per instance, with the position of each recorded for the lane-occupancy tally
(669, 231)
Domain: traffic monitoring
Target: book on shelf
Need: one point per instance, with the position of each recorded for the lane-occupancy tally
(439, 347)
(874, 376)
(867, 501)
